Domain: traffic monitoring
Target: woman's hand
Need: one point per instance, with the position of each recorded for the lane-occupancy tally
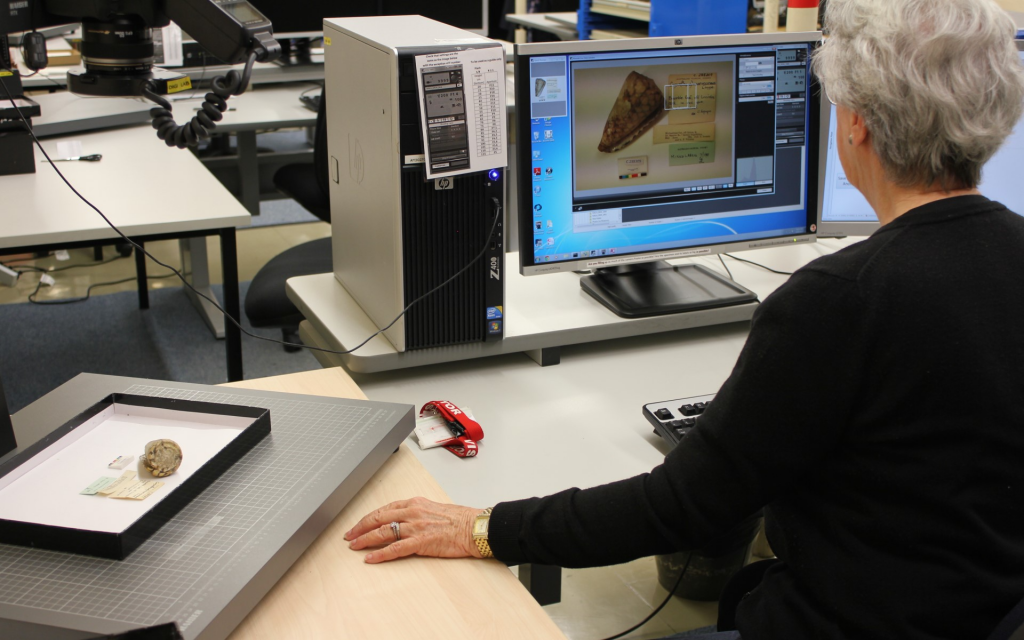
(427, 529)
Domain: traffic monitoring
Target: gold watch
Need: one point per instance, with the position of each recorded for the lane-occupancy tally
(480, 526)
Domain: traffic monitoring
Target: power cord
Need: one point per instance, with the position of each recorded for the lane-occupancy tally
(757, 264)
(15, 266)
(88, 292)
(214, 302)
(201, 126)
(726, 267)
(661, 606)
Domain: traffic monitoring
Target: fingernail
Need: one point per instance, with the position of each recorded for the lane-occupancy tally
(369, 557)
(348, 535)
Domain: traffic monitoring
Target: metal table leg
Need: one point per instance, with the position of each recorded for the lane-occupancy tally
(194, 260)
(249, 171)
(140, 275)
(232, 334)
(543, 581)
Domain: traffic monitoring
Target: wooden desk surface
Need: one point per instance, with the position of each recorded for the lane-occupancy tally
(331, 593)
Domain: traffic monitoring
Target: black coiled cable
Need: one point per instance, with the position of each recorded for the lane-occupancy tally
(201, 126)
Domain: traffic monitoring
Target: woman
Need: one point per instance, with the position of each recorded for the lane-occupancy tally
(877, 409)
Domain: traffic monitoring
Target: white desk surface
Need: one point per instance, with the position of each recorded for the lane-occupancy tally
(262, 107)
(64, 112)
(142, 185)
(565, 28)
(577, 423)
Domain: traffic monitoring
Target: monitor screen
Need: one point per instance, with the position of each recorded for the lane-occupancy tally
(641, 150)
(845, 212)
(307, 16)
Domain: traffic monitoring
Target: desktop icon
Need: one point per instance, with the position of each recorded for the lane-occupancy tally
(551, 224)
(551, 242)
(584, 254)
(538, 225)
(539, 242)
(549, 134)
(549, 171)
(537, 207)
(536, 171)
(536, 155)
(536, 135)
(536, 190)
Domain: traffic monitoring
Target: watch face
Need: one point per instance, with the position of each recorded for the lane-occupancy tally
(480, 526)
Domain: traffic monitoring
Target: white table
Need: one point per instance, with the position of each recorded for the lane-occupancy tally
(577, 423)
(261, 108)
(146, 189)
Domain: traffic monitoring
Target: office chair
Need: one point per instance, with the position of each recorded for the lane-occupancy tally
(266, 303)
(1012, 626)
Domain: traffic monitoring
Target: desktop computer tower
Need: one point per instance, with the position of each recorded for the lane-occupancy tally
(396, 235)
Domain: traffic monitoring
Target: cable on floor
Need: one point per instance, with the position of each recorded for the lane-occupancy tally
(661, 606)
(88, 292)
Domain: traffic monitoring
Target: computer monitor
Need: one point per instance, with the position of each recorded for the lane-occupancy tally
(845, 212)
(637, 151)
(305, 18)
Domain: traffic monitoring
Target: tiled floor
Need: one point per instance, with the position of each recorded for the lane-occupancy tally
(596, 603)
(602, 602)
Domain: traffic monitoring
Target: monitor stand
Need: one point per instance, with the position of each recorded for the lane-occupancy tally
(658, 288)
(7, 441)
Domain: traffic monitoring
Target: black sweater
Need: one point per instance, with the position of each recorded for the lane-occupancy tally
(877, 413)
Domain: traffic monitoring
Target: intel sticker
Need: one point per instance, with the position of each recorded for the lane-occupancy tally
(493, 313)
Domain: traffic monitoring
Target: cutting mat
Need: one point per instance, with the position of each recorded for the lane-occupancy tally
(231, 544)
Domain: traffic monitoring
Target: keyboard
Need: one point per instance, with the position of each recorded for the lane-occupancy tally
(672, 419)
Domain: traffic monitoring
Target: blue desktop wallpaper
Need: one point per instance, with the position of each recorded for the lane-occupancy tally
(551, 192)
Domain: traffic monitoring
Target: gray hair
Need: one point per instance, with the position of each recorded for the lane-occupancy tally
(938, 82)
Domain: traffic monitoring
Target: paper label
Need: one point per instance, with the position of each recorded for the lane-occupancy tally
(676, 133)
(691, 98)
(327, 41)
(138, 490)
(635, 167)
(120, 462)
(69, 149)
(100, 483)
(691, 153)
(432, 431)
(182, 84)
(462, 104)
(122, 482)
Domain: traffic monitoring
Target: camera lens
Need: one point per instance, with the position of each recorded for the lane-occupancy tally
(122, 45)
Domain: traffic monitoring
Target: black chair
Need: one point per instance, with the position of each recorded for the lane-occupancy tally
(1012, 626)
(266, 303)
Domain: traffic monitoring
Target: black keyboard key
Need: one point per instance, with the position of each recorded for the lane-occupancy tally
(699, 406)
(663, 414)
(688, 410)
(689, 422)
(676, 424)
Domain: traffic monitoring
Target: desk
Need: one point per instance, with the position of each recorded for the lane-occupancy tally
(43, 213)
(578, 423)
(261, 108)
(414, 598)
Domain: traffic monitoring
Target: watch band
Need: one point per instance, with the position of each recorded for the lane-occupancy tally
(482, 545)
